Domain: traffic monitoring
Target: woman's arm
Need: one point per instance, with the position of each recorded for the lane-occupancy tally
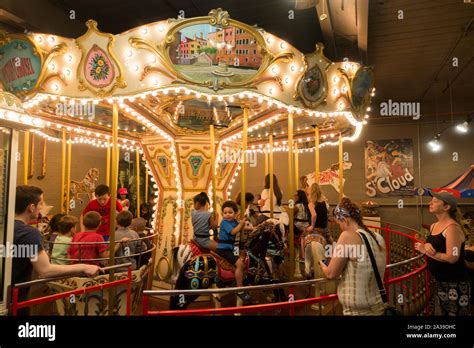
(337, 264)
(454, 241)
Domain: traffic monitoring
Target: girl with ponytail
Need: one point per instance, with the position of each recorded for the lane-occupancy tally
(357, 290)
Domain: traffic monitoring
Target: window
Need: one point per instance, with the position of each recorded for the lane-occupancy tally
(246, 60)
(254, 51)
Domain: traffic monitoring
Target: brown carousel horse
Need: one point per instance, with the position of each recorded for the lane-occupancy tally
(203, 268)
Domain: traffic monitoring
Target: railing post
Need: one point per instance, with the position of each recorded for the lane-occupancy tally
(387, 260)
(129, 291)
(145, 304)
(15, 301)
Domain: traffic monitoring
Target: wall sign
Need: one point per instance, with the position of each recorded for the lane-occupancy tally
(389, 168)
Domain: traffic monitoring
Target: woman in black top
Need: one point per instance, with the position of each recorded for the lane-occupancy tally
(319, 212)
(445, 250)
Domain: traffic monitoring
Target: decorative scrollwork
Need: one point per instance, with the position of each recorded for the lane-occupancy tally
(219, 17)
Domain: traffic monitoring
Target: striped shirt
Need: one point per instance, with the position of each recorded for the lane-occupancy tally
(357, 291)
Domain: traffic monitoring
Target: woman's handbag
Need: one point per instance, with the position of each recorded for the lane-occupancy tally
(389, 310)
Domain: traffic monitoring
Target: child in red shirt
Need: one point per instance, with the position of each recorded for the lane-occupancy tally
(86, 253)
(101, 204)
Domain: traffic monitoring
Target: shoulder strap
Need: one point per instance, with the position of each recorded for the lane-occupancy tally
(383, 294)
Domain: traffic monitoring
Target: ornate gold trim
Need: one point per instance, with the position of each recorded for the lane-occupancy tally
(119, 80)
(58, 76)
(310, 62)
(5, 38)
(149, 69)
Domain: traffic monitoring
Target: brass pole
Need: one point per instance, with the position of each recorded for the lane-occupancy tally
(213, 169)
(270, 154)
(146, 185)
(107, 166)
(68, 175)
(296, 165)
(113, 199)
(26, 156)
(266, 161)
(290, 195)
(244, 160)
(138, 181)
(341, 170)
(63, 172)
(316, 154)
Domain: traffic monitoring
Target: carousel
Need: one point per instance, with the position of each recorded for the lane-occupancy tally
(189, 102)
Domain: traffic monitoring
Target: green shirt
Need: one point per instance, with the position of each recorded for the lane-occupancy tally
(60, 250)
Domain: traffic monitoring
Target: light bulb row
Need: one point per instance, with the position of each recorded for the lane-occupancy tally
(25, 119)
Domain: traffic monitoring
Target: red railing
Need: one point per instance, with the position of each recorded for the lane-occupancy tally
(291, 305)
(15, 305)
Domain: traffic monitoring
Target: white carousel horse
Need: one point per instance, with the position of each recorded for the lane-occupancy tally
(329, 176)
(314, 252)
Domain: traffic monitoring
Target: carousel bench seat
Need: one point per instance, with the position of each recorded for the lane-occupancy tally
(95, 303)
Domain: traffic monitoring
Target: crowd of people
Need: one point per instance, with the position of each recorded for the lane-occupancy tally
(359, 291)
(75, 246)
(81, 246)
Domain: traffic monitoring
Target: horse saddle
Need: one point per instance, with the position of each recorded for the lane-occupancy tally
(314, 237)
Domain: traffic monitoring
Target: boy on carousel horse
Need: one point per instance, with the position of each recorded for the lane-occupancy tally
(229, 227)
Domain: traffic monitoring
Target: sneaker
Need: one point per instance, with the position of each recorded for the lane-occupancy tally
(245, 297)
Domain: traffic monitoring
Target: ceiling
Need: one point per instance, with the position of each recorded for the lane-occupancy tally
(412, 57)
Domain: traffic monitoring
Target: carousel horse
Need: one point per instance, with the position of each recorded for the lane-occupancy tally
(198, 268)
(315, 251)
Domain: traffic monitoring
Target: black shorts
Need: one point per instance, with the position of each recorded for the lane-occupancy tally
(228, 255)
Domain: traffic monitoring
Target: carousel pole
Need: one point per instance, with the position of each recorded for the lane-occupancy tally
(316, 154)
(290, 196)
(26, 156)
(270, 155)
(113, 199)
(107, 167)
(137, 152)
(244, 160)
(341, 170)
(146, 185)
(213, 169)
(68, 175)
(296, 165)
(266, 161)
(63, 172)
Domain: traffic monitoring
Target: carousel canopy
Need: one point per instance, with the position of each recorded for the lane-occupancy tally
(178, 76)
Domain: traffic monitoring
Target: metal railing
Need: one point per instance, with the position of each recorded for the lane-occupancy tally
(16, 305)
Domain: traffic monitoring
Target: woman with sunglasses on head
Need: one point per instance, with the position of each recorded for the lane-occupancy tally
(445, 250)
(357, 290)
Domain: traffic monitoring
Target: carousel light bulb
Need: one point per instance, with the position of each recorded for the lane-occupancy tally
(52, 66)
(366, 117)
(344, 89)
(144, 31)
(231, 99)
(39, 38)
(67, 72)
(287, 80)
(69, 57)
(135, 67)
(335, 79)
(51, 39)
(270, 39)
(340, 105)
(129, 53)
(293, 67)
(369, 108)
(283, 45)
(161, 28)
(274, 70)
(335, 92)
(55, 87)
